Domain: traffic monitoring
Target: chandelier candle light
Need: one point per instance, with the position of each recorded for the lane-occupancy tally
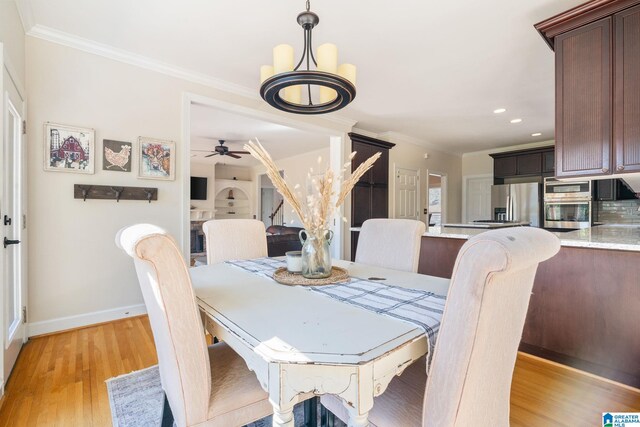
(283, 83)
(315, 208)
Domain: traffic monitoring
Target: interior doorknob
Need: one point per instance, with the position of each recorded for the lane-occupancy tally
(8, 242)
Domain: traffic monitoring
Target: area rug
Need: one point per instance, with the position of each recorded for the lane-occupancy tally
(136, 400)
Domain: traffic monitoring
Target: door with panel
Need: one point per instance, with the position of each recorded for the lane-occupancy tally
(12, 204)
(583, 100)
(407, 190)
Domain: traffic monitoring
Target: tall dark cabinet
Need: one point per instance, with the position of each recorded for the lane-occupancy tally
(370, 196)
(597, 49)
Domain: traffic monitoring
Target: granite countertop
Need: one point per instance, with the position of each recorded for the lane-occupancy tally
(615, 237)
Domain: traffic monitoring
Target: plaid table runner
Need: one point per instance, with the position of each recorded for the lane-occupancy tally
(421, 308)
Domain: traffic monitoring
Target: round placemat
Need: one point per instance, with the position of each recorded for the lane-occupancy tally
(282, 275)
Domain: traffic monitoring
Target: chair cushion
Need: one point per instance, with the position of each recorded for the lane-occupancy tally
(236, 395)
(399, 405)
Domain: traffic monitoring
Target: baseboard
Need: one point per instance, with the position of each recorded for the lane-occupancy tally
(86, 319)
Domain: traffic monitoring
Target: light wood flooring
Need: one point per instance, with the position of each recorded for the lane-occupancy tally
(59, 381)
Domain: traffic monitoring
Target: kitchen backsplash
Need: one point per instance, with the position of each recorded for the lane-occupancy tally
(620, 212)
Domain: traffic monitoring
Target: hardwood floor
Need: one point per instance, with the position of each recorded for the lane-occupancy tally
(59, 381)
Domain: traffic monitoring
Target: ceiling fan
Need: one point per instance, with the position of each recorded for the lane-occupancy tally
(223, 150)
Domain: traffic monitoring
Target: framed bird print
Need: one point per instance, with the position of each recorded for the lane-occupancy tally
(68, 148)
(157, 159)
(116, 155)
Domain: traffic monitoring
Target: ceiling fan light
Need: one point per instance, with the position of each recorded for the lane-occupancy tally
(282, 58)
(266, 71)
(348, 71)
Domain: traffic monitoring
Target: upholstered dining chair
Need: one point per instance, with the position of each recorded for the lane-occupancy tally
(204, 386)
(228, 239)
(390, 243)
(470, 376)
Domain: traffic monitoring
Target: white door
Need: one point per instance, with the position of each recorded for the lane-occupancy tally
(12, 221)
(478, 198)
(406, 194)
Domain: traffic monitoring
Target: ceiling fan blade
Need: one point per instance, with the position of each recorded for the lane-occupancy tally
(232, 155)
(212, 154)
(203, 151)
(238, 152)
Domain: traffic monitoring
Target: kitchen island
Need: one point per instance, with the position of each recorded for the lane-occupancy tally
(585, 302)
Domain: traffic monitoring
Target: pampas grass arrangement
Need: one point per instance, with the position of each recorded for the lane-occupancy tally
(315, 208)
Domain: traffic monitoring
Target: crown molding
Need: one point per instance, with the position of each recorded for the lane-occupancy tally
(62, 38)
(26, 14)
(393, 136)
(508, 148)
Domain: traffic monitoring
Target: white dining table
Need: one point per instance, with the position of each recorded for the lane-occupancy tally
(299, 342)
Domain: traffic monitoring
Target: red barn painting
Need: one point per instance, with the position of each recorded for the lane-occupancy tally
(70, 150)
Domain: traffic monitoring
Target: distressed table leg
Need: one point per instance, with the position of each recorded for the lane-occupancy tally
(357, 420)
(283, 417)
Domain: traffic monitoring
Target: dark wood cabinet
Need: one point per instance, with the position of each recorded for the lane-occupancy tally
(370, 196)
(584, 304)
(597, 48)
(605, 189)
(626, 124)
(504, 166)
(530, 163)
(583, 100)
(612, 190)
(548, 162)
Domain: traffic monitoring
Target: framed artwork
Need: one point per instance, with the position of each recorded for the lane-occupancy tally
(68, 148)
(157, 159)
(116, 155)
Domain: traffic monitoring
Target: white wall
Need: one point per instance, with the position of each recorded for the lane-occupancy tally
(295, 170)
(77, 275)
(13, 39)
(205, 170)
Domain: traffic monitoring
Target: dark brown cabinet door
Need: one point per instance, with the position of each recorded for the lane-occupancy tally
(583, 100)
(548, 162)
(504, 166)
(529, 164)
(370, 196)
(361, 201)
(626, 126)
(605, 189)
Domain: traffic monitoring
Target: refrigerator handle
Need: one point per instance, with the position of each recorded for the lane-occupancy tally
(508, 215)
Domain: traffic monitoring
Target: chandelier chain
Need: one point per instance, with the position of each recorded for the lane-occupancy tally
(308, 5)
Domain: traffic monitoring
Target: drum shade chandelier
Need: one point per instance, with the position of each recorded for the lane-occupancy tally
(331, 86)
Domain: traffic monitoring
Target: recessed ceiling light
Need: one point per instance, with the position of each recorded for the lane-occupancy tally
(536, 134)
(516, 120)
(499, 110)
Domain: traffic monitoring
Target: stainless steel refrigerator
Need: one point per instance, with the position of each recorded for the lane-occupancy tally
(516, 203)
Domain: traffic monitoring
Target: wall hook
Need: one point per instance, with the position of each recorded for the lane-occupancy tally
(118, 191)
(149, 193)
(85, 191)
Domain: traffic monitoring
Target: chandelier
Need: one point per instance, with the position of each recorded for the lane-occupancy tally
(300, 89)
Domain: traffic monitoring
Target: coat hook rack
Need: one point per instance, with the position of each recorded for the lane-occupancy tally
(112, 192)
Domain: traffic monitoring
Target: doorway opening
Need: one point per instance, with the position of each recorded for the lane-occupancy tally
(271, 203)
(296, 147)
(436, 195)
